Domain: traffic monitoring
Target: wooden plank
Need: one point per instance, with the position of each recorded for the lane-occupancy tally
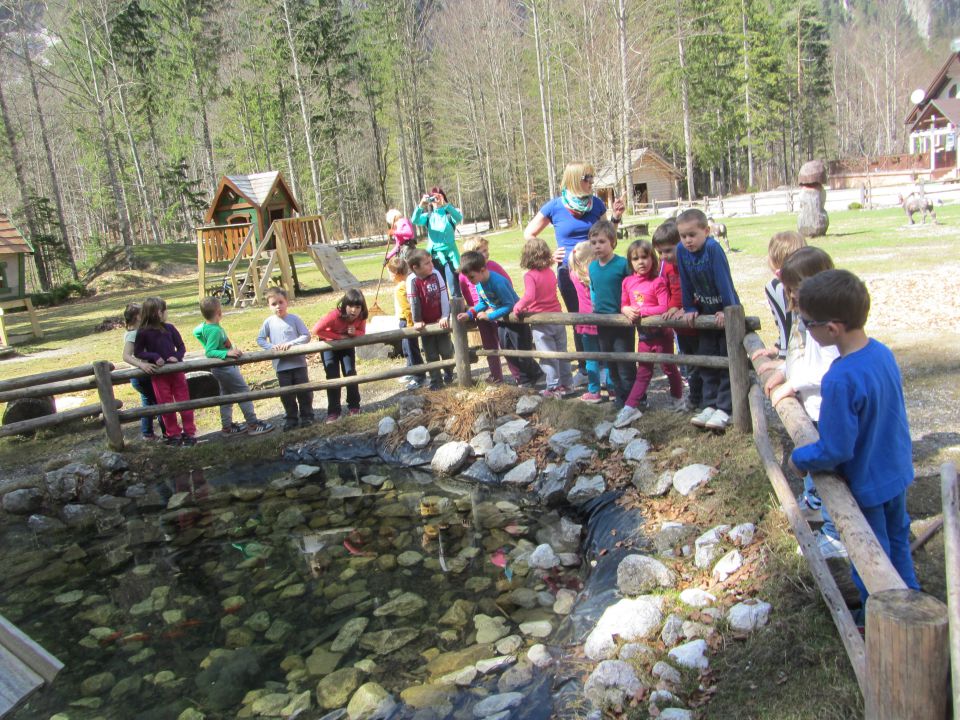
(332, 267)
(29, 652)
(734, 329)
(951, 546)
(201, 264)
(704, 322)
(17, 682)
(711, 361)
(101, 371)
(34, 324)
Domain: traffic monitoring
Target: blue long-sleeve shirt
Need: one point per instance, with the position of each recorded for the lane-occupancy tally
(864, 434)
(496, 296)
(705, 281)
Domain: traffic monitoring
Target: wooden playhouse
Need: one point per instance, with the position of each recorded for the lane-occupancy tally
(13, 276)
(256, 218)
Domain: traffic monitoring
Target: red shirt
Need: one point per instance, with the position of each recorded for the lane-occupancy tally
(333, 326)
(668, 272)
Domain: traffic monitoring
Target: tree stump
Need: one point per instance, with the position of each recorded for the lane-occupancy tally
(202, 384)
(28, 409)
(812, 220)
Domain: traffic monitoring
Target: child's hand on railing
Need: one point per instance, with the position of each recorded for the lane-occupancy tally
(419, 326)
(483, 315)
(690, 318)
(781, 393)
(720, 319)
(172, 359)
(769, 365)
(150, 368)
(463, 317)
(444, 323)
(631, 313)
(234, 352)
(283, 346)
(672, 313)
(764, 352)
(775, 380)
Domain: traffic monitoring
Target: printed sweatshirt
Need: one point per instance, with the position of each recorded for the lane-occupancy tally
(496, 296)
(428, 297)
(705, 279)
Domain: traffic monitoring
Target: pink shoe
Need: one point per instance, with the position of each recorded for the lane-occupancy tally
(592, 398)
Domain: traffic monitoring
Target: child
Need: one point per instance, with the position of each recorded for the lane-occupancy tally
(402, 233)
(347, 320)
(607, 273)
(645, 294)
(864, 434)
(427, 293)
(540, 295)
(780, 247)
(665, 241)
(707, 289)
(488, 330)
(281, 331)
(131, 319)
(579, 261)
(496, 299)
(216, 345)
(401, 308)
(441, 220)
(801, 376)
(159, 343)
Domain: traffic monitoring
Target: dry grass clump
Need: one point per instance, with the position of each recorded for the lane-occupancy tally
(454, 411)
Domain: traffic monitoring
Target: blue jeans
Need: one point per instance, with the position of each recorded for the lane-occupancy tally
(622, 374)
(450, 276)
(145, 387)
(593, 366)
(568, 291)
(814, 501)
(891, 524)
(335, 361)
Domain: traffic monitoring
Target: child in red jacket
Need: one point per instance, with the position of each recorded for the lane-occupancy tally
(347, 320)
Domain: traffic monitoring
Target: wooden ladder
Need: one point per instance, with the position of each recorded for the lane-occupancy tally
(258, 278)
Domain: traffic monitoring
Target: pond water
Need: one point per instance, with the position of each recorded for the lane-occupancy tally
(263, 585)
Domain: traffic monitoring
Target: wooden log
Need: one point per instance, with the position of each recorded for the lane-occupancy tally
(35, 328)
(907, 656)
(951, 545)
(704, 322)
(461, 345)
(734, 322)
(832, 596)
(201, 266)
(46, 377)
(866, 553)
(932, 528)
(51, 420)
(711, 361)
(101, 370)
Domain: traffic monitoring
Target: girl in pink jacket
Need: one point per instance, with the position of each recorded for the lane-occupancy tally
(402, 233)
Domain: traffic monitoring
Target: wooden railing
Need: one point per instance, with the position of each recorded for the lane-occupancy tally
(222, 242)
(301, 232)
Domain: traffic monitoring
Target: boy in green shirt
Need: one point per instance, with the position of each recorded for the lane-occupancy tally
(216, 344)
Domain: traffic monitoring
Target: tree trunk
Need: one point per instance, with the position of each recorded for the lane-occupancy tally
(685, 105)
(337, 170)
(287, 140)
(625, 104)
(746, 93)
(544, 111)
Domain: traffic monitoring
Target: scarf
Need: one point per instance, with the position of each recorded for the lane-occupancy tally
(576, 206)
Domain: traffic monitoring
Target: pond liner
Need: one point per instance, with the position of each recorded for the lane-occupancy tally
(358, 446)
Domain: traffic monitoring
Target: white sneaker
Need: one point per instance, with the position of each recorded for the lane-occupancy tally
(680, 405)
(626, 416)
(404, 380)
(579, 379)
(701, 418)
(829, 547)
(718, 421)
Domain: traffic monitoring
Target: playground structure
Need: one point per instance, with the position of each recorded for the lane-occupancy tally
(254, 219)
(13, 286)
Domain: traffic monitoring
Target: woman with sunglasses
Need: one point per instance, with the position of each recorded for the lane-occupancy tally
(572, 214)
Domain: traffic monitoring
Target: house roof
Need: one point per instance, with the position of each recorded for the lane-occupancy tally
(256, 188)
(10, 238)
(950, 70)
(609, 175)
(948, 108)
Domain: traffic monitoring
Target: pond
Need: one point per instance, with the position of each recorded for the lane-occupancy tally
(274, 592)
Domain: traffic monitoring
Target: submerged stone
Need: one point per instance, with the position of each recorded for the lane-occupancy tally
(335, 689)
(371, 702)
(387, 641)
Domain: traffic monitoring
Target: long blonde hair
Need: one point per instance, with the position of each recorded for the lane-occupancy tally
(580, 259)
(572, 174)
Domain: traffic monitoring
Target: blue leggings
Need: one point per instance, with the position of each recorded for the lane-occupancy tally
(145, 388)
(891, 524)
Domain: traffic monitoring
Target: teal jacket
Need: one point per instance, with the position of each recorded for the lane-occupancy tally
(440, 224)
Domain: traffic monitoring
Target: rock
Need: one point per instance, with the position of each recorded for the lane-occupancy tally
(566, 599)
(621, 437)
(543, 557)
(387, 641)
(371, 702)
(428, 697)
(491, 665)
(483, 422)
(111, 503)
(302, 472)
(335, 689)
(695, 597)
(509, 645)
(65, 484)
(418, 437)
(636, 451)
(692, 629)
(514, 433)
(409, 403)
(112, 462)
(742, 535)
(611, 683)
(523, 474)
(672, 534)
(409, 558)
(480, 472)
(405, 604)
(450, 457)
(349, 634)
(579, 455)
(650, 484)
(515, 677)
(689, 478)
(638, 651)
(179, 500)
(191, 714)
(270, 705)
(586, 488)
(79, 516)
(639, 574)
(490, 629)
(482, 443)
(749, 615)
(494, 704)
(374, 480)
(501, 457)
(97, 684)
(667, 673)
(539, 656)
(673, 713)
(727, 565)
(691, 655)
(23, 501)
(298, 705)
(662, 699)
(628, 619)
(463, 677)
(553, 483)
(672, 630)
(561, 441)
(458, 614)
(291, 517)
(259, 621)
(322, 662)
(450, 662)
(601, 431)
(523, 597)
(386, 426)
(536, 628)
(528, 404)
(708, 546)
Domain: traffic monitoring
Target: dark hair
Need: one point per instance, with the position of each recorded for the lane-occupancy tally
(535, 255)
(354, 298)
(802, 264)
(131, 316)
(274, 291)
(693, 215)
(472, 261)
(416, 258)
(644, 247)
(666, 234)
(398, 266)
(437, 190)
(836, 295)
(209, 307)
(151, 314)
(605, 228)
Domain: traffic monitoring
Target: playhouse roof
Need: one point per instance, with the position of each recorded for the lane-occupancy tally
(10, 238)
(256, 188)
(609, 176)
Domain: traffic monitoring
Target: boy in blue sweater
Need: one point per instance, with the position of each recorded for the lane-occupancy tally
(864, 435)
(706, 289)
(497, 298)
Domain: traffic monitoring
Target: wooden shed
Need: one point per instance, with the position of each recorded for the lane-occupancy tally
(654, 179)
(13, 276)
(258, 199)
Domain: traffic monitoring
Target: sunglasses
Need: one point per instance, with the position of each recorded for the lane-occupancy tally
(817, 323)
(586, 178)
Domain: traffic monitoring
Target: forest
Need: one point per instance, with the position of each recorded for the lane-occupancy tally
(120, 116)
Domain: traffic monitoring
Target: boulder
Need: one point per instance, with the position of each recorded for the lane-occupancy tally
(611, 684)
(695, 597)
(418, 437)
(501, 457)
(112, 462)
(689, 478)
(386, 426)
(23, 501)
(403, 605)
(667, 673)
(692, 655)
(523, 474)
(514, 433)
(650, 484)
(450, 457)
(601, 431)
(482, 443)
(742, 535)
(303, 471)
(586, 488)
(629, 620)
(727, 565)
(579, 455)
(561, 441)
(543, 558)
(494, 704)
(672, 630)
(621, 437)
(66, 484)
(539, 656)
(749, 615)
(672, 534)
(371, 702)
(480, 472)
(636, 450)
(639, 574)
(76, 515)
(335, 689)
(707, 546)
(528, 404)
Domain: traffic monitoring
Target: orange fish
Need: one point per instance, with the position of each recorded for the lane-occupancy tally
(189, 623)
(111, 638)
(137, 637)
(233, 609)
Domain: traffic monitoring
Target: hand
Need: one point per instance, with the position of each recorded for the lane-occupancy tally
(463, 317)
(768, 366)
(720, 320)
(234, 353)
(672, 313)
(619, 205)
(630, 312)
(426, 200)
(764, 352)
(484, 315)
(782, 393)
(444, 322)
(149, 368)
(351, 331)
(283, 346)
(172, 359)
(773, 381)
(159, 363)
(558, 255)
(419, 326)
(690, 318)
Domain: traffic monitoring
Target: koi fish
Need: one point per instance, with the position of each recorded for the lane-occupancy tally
(111, 638)
(233, 609)
(173, 634)
(189, 623)
(353, 550)
(499, 558)
(137, 637)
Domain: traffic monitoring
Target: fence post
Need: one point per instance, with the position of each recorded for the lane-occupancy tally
(753, 204)
(461, 347)
(201, 266)
(108, 405)
(735, 328)
(951, 544)
(654, 206)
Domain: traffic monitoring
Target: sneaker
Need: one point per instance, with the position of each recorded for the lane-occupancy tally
(551, 393)
(701, 418)
(306, 421)
(289, 425)
(626, 416)
(172, 441)
(718, 421)
(233, 429)
(187, 440)
(491, 380)
(809, 501)
(680, 405)
(448, 378)
(414, 384)
(405, 379)
(592, 398)
(259, 428)
(830, 548)
(148, 436)
(353, 411)
(579, 379)
(564, 390)
(332, 418)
